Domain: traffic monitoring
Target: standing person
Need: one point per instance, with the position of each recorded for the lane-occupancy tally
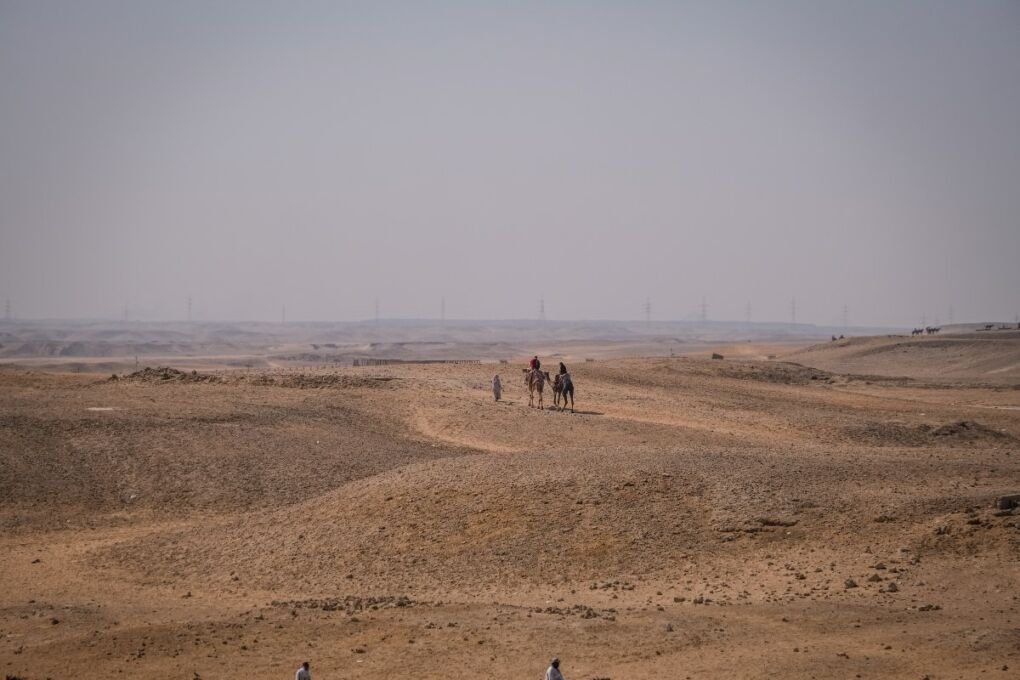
(553, 672)
(497, 387)
(304, 673)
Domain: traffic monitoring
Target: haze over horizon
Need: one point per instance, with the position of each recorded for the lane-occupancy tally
(595, 155)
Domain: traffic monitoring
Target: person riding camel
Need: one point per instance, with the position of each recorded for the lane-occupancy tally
(535, 363)
(563, 368)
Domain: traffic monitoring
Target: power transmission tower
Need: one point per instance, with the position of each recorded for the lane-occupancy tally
(7, 309)
(845, 316)
(377, 311)
(648, 310)
(793, 310)
(924, 320)
(442, 309)
(541, 309)
(704, 309)
(189, 309)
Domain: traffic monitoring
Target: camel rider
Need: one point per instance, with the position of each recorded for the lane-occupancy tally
(563, 368)
(535, 363)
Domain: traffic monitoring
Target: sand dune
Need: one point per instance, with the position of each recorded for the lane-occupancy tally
(992, 357)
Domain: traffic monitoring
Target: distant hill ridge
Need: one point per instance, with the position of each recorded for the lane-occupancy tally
(969, 356)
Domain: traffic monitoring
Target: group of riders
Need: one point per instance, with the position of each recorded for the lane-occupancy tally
(562, 384)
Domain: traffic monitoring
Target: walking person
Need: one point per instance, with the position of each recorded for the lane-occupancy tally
(553, 672)
(497, 387)
(303, 673)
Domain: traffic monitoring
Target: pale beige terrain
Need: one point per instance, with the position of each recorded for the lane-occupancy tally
(990, 357)
(694, 518)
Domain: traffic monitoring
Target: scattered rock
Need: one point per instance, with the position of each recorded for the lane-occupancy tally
(349, 604)
(579, 610)
(1008, 502)
(773, 522)
(167, 374)
(894, 434)
(968, 430)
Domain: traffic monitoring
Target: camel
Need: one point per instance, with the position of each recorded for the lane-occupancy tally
(563, 387)
(535, 380)
(566, 390)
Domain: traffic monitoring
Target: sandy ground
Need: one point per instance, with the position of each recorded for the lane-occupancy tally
(694, 518)
(981, 357)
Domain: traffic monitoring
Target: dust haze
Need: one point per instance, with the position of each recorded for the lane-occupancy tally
(324, 156)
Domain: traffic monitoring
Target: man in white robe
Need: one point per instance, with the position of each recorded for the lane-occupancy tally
(553, 673)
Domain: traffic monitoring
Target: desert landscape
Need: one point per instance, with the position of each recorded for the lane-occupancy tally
(261, 263)
(802, 508)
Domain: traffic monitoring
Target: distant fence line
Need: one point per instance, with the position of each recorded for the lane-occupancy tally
(388, 362)
(302, 367)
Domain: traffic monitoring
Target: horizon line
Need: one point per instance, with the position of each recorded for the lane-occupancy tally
(441, 321)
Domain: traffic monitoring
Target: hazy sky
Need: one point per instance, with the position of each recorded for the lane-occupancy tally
(594, 154)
